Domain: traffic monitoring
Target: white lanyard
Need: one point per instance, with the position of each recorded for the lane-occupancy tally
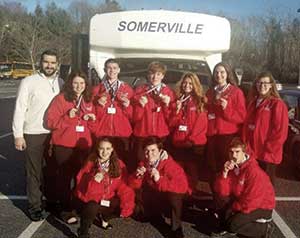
(112, 87)
(153, 88)
(104, 166)
(222, 89)
(154, 165)
(259, 101)
(78, 102)
(52, 85)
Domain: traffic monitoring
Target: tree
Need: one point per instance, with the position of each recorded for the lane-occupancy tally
(82, 12)
(27, 36)
(60, 28)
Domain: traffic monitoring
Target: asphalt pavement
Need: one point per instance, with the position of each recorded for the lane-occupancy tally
(14, 221)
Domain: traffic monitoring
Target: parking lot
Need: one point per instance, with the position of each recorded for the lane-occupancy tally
(197, 221)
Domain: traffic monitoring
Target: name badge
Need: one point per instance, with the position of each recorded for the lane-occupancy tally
(211, 116)
(182, 128)
(105, 203)
(111, 110)
(158, 109)
(79, 128)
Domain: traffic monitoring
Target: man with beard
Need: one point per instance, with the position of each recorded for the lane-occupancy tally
(33, 98)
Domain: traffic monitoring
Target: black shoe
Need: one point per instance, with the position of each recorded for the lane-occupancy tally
(37, 215)
(178, 233)
(223, 234)
(44, 214)
(108, 226)
(270, 230)
(100, 222)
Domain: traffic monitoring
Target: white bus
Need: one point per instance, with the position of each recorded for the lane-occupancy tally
(184, 41)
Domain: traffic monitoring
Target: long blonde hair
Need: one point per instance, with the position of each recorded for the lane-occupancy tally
(197, 93)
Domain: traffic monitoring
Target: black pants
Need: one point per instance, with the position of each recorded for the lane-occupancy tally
(155, 203)
(191, 160)
(88, 211)
(246, 225)
(68, 163)
(122, 145)
(270, 169)
(241, 223)
(217, 154)
(35, 155)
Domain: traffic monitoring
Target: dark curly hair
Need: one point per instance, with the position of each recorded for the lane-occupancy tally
(68, 88)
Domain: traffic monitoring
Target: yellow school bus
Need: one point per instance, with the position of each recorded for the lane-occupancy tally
(15, 70)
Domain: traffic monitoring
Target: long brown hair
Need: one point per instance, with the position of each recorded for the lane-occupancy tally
(68, 88)
(114, 170)
(273, 92)
(230, 75)
(197, 93)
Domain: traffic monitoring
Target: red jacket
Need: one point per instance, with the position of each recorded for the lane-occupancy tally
(195, 122)
(117, 124)
(251, 188)
(228, 121)
(265, 129)
(88, 189)
(172, 176)
(151, 120)
(64, 128)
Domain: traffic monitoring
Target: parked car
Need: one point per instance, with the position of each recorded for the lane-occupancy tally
(292, 145)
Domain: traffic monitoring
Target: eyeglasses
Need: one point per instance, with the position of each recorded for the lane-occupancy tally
(263, 83)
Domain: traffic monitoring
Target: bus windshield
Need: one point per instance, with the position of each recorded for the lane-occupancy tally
(5, 67)
(134, 71)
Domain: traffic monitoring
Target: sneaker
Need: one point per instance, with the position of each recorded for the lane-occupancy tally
(69, 217)
(224, 234)
(270, 230)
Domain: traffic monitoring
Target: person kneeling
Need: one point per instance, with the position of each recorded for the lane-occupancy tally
(160, 184)
(101, 188)
(245, 195)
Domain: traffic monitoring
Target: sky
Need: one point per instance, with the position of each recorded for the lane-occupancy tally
(232, 8)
